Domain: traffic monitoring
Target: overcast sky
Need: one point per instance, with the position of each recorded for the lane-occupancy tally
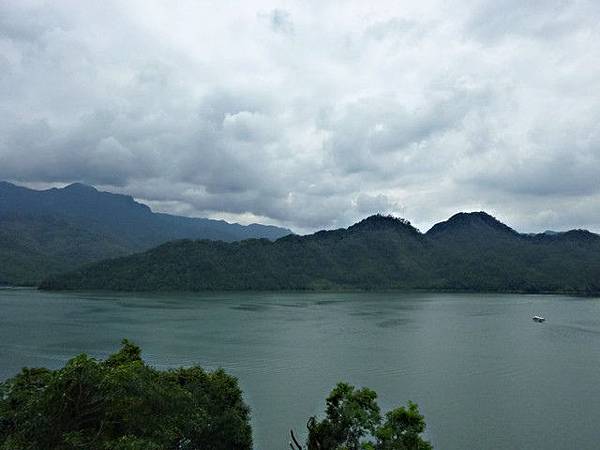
(310, 114)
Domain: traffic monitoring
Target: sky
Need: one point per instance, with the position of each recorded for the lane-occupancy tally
(310, 114)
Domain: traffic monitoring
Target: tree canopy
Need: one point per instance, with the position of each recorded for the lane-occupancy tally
(469, 252)
(121, 403)
(353, 421)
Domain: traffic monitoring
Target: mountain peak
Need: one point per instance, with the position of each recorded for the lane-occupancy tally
(470, 221)
(80, 187)
(382, 222)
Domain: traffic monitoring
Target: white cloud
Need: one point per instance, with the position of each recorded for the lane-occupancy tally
(309, 114)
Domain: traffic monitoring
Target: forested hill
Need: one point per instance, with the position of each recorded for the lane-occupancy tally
(55, 230)
(470, 251)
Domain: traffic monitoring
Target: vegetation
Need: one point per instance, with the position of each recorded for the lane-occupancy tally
(48, 232)
(469, 252)
(32, 248)
(353, 421)
(122, 404)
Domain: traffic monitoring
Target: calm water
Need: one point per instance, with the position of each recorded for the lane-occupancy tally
(484, 374)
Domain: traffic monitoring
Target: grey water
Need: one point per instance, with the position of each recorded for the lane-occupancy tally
(482, 372)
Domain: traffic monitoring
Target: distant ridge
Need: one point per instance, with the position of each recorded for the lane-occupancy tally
(54, 230)
(469, 252)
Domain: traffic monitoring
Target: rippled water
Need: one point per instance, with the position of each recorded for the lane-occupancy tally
(483, 373)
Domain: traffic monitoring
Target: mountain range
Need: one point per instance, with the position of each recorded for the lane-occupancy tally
(56, 230)
(468, 252)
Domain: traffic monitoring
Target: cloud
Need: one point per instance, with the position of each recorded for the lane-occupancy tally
(538, 19)
(279, 20)
(372, 204)
(310, 115)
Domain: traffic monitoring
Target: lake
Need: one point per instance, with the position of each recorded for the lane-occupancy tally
(483, 373)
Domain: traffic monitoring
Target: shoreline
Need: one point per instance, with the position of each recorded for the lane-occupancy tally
(322, 291)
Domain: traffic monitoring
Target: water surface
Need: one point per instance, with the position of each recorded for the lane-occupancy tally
(483, 373)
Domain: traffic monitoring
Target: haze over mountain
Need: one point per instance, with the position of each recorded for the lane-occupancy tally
(469, 251)
(44, 232)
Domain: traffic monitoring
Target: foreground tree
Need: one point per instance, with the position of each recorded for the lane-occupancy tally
(353, 421)
(122, 404)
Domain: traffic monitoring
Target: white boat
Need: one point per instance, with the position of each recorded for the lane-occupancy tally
(538, 319)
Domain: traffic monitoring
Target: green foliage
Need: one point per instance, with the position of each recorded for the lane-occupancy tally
(57, 230)
(353, 422)
(122, 404)
(470, 252)
(402, 429)
(351, 415)
(32, 248)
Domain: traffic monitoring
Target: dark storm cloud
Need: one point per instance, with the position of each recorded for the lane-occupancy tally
(309, 114)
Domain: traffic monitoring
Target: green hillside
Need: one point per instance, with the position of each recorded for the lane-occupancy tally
(46, 232)
(468, 252)
(32, 248)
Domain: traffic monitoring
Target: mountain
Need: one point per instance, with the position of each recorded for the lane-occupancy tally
(469, 252)
(475, 251)
(471, 225)
(55, 230)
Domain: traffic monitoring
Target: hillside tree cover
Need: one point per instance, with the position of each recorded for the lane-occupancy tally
(469, 252)
(56, 230)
